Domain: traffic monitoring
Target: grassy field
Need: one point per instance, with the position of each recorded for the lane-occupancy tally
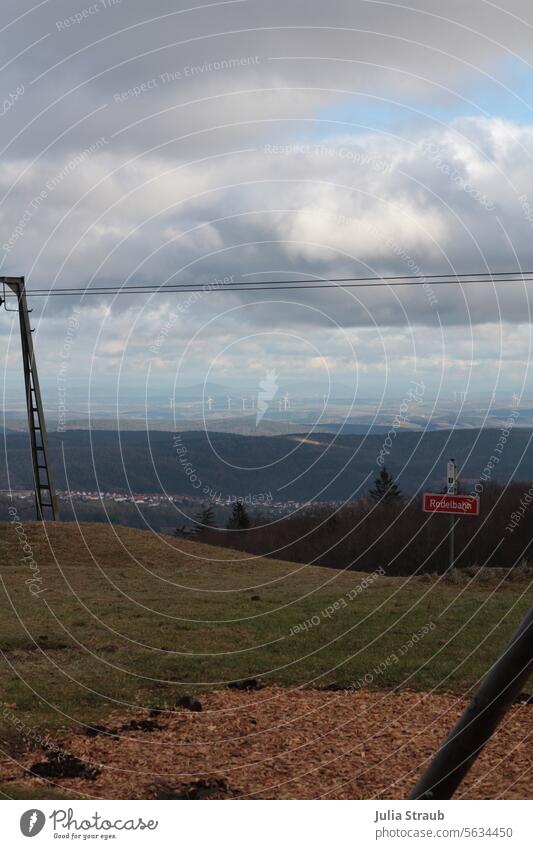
(125, 618)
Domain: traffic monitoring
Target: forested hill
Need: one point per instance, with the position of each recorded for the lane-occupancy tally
(319, 466)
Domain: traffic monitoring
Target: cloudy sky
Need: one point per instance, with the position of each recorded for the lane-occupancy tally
(248, 140)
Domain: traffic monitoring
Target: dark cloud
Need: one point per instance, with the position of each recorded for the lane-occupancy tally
(190, 142)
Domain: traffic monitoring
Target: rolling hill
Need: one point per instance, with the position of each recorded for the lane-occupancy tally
(307, 467)
(125, 623)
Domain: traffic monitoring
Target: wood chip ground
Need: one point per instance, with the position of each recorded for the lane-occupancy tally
(285, 744)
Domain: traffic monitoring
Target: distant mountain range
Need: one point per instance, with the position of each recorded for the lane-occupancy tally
(290, 467)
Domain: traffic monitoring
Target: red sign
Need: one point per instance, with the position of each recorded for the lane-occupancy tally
(463, 505)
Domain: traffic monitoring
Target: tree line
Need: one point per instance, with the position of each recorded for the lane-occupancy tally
(386, 530)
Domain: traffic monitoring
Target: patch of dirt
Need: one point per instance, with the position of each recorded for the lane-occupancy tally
(189, 703)
(247, 684)
(279, 743)
(132, 725)
(206, 788)
(94, 730)
(59, 765)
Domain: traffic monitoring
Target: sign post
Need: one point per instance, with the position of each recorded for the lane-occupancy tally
(452, 490)
(457, 505)
(452, 504)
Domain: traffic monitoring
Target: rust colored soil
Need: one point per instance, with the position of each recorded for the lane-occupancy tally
(280, 744)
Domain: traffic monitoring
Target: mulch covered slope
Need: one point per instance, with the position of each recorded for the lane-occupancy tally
(277, 744)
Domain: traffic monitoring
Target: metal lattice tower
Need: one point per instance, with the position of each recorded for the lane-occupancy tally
(45, 497)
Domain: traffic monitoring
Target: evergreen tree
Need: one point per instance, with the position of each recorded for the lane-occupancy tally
(385, 489)
(205, 519)
(239, 519)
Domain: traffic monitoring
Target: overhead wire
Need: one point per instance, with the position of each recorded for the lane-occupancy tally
(309, 284)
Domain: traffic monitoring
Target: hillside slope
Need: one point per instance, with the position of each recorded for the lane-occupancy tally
(323, 467)
(124, 615)
(102, 625)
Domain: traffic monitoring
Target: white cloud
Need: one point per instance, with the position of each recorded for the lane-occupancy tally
(264, 168)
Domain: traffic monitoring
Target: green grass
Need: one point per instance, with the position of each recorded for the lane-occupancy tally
(13, 791)
(128, 619)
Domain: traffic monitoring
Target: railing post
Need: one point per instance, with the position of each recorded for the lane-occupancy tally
(480, 719)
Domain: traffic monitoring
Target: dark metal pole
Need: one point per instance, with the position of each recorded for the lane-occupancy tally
(497, 692)
(452, 542)
(45, 497)
(452, 490)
